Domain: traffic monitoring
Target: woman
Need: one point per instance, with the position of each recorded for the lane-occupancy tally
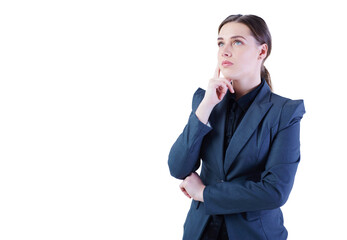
(247, 138)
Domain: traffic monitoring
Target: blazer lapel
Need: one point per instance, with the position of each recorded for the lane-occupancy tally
(248, 125)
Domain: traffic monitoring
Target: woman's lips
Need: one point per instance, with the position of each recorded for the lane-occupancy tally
(226, 63)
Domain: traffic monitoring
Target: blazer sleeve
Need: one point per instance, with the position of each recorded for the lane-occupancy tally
(276, 181)
(184, 156)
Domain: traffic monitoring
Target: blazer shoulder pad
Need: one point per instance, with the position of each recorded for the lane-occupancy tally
(292, 111)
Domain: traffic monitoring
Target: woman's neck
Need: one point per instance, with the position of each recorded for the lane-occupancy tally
(244, 86)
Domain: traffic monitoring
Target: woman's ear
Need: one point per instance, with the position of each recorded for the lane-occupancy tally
(263, 51)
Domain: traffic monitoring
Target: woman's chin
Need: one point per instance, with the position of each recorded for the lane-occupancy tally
(228, 74)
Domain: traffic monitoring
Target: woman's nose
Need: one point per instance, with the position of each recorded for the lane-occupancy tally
(226, 52)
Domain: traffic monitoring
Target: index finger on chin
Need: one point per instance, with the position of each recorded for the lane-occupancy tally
(217, 72)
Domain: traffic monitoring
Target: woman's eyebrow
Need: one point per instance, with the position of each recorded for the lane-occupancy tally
(238, 36)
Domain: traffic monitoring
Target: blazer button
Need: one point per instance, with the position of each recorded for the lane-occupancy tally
(221, 180)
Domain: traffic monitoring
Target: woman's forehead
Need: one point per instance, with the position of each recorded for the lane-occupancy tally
(231, 29)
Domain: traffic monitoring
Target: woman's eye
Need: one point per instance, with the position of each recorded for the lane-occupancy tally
(220, 44)
(237, 43)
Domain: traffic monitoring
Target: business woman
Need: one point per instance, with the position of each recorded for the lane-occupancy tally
(247, 139)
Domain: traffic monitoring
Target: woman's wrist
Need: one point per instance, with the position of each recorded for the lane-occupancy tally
(203, 111)
(202, 194)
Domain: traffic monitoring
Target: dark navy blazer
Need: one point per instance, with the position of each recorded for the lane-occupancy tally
(253, 180)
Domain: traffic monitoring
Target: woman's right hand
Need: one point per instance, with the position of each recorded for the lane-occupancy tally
(216, 90)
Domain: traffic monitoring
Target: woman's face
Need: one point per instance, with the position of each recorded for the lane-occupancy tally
(239, 55)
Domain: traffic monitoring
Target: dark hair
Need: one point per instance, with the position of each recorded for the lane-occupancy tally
(260, 32)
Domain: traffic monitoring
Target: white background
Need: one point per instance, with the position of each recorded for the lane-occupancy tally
(94, 93)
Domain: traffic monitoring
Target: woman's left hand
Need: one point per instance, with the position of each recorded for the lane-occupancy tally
(193, 187)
